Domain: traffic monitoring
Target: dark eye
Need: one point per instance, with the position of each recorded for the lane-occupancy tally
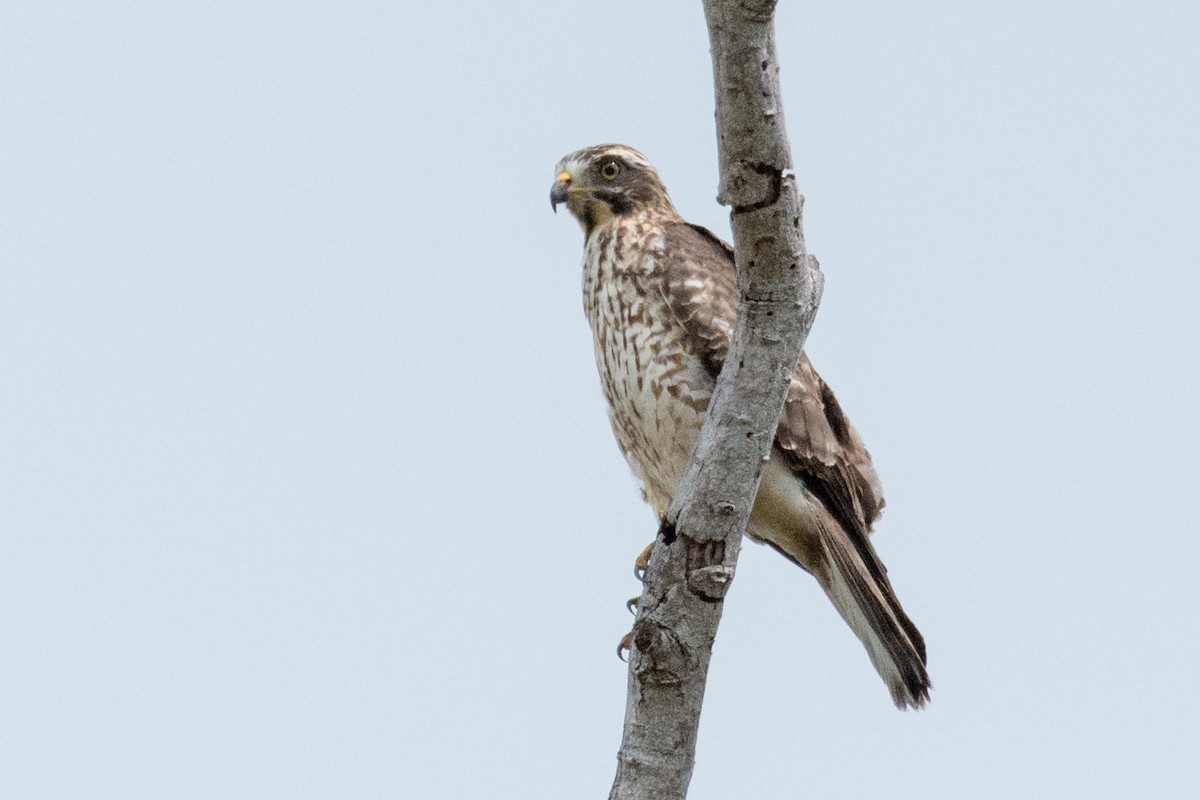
(610, 170)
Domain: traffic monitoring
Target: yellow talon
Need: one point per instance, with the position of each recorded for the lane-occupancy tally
(624, 646)
(642, 562)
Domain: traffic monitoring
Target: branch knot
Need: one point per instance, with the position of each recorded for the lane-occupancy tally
(749, 186)
(708, 576)
(710, 583)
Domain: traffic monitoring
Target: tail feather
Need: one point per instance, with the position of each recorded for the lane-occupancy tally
(856, 581)
(802, 528)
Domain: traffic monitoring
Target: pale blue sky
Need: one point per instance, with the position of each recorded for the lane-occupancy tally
(306, 488)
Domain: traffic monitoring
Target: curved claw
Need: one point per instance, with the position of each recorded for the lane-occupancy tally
(642, 562)
(624, 646)
(632, 604)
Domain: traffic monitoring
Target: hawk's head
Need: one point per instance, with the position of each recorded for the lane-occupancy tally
(606, 181)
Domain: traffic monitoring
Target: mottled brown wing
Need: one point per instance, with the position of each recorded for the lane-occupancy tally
(701, 289)
(824, 449)
(818, 442)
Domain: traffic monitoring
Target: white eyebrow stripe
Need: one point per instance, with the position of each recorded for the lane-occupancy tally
(570, 165)
(695, 283)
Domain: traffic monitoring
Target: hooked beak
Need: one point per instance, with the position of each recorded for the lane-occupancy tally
(558, 192)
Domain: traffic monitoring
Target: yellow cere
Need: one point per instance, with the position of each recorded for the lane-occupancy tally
(564, 177)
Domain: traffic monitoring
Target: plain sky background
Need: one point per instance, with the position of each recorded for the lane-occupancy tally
(306, 486)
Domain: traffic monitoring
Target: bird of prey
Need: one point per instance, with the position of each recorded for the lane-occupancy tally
(661, 299)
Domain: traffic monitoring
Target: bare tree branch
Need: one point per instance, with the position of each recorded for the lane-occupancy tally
(696, 554)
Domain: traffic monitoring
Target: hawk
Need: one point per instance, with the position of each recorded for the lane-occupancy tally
(661, 299)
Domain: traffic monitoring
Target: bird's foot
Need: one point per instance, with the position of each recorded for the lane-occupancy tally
(640, 565)
(642, 562)
(624, 646)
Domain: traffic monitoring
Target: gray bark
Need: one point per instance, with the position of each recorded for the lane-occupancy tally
(696, 553)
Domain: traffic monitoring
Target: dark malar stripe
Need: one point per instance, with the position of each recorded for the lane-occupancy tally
(619, 202)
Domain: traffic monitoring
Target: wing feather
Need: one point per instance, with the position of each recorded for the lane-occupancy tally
(819, 444)
(700, 289)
